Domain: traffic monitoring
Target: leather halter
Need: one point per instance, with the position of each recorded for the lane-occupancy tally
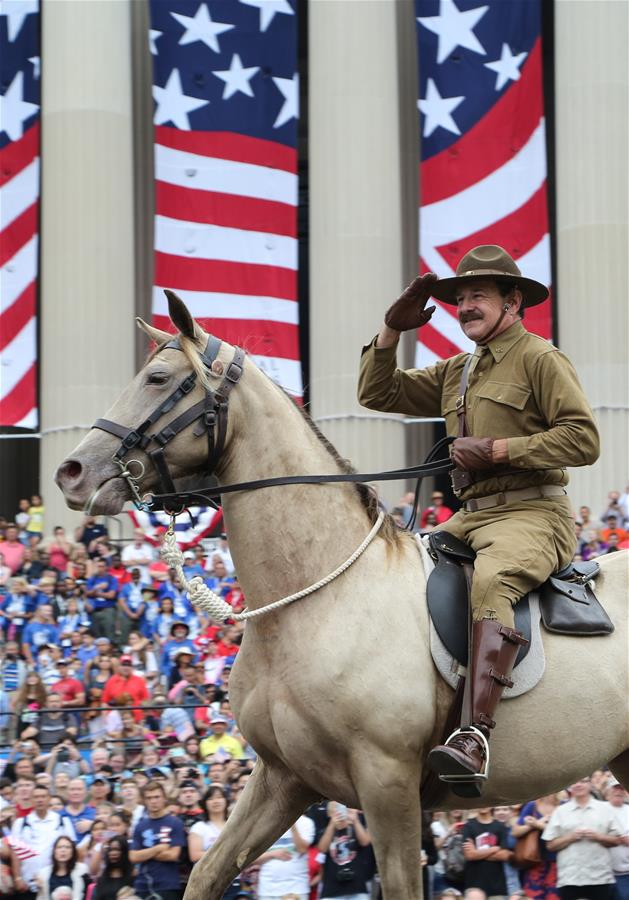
(212, 411)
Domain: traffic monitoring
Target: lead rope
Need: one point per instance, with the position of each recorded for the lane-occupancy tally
(210, 602)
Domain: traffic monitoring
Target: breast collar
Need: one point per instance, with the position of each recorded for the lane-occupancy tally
(212, 410)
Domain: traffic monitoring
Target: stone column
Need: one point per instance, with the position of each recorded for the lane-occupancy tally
(87, 249)
(363, 209)
(592, 189)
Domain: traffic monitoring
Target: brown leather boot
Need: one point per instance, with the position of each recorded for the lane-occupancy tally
(492, 656)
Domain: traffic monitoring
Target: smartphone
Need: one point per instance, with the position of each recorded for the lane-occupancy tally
(341, 810)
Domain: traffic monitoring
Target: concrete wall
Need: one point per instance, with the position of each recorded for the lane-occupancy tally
(592, 101)
(87, 268)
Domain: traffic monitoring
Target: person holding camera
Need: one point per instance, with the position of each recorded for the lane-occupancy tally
(348, 863)
(284, 866)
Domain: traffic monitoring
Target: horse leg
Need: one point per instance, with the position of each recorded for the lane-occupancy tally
(271, 802)
(389, 796)
(620, 769)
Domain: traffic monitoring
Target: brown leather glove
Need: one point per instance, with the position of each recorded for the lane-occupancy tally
(472, 454)
(409, 312)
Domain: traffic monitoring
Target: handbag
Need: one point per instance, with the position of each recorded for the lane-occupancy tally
(527, 851)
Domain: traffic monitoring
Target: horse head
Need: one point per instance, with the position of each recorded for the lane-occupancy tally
(148, 437)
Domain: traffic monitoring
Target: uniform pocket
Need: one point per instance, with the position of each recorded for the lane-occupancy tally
(513, 395)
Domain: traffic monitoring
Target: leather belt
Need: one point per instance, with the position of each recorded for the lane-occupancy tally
(504, 497)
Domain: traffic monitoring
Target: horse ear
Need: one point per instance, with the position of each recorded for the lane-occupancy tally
(180, 315)
(160, 337)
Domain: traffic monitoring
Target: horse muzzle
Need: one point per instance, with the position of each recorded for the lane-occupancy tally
(97, 490)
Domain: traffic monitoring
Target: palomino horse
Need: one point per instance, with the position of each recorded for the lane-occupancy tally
(338, 693)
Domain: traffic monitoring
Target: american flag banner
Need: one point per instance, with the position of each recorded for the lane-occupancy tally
(19, 210)
(197, 523)
(225, 90)
(483, 170)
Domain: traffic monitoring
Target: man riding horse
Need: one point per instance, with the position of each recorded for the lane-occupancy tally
(520, 417)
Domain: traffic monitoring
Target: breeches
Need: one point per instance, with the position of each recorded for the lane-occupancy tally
(517, 547)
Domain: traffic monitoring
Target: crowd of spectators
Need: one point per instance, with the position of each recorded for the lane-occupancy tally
(121, 761)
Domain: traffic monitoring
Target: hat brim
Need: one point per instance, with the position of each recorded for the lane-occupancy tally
(533, 292)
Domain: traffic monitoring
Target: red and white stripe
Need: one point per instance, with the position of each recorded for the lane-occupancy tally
(226, 242)
(19, 224)
(489, 188)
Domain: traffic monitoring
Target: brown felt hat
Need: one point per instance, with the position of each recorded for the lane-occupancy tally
(489, 261)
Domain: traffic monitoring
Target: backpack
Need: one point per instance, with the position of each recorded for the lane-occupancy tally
(453, 859)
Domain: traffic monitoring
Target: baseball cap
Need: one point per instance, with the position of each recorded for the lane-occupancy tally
(126, 660)
(102, 640)
(188, 554)
(188, 784)
(157, 772)
(98, 777)
(218, 718)
(184, 651)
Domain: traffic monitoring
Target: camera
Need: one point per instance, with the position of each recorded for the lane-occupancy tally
(63, 755)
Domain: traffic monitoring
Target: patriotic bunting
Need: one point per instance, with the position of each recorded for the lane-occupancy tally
(19, 211)
(483, 172)
(226, 104)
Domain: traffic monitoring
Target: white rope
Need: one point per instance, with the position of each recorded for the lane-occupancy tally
(218, 609)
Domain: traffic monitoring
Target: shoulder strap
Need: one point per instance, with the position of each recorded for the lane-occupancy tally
(460, 401)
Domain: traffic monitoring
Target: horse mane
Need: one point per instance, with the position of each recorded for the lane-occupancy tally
(368, 497)
(389, 531)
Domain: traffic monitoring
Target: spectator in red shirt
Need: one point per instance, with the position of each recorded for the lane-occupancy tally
(227, 645)
(12, 549)
(125, 682)
(612, 528)
(70, 689)
(442, 512)
(120, 572)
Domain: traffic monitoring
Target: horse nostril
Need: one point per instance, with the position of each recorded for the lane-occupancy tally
(70, 469)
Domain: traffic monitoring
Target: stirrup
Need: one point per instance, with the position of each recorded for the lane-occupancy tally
(481, 776)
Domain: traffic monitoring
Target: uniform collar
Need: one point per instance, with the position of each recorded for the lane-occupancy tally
(502, 343)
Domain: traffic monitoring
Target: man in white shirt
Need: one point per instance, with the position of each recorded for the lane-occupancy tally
(618, 801)
(581, 833)
(38, 830)
(284, 866)
(139, 555)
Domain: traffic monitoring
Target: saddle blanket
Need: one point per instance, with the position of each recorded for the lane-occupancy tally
(526, 673)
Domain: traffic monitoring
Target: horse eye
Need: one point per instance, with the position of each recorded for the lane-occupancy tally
(157, 378)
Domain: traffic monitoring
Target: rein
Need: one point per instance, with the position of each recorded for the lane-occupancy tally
(213, 413)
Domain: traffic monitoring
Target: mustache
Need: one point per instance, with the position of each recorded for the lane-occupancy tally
(469, 317)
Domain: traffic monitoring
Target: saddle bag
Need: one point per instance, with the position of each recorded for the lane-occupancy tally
(569, 607)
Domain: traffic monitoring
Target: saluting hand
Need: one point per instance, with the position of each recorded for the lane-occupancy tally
(409, 310)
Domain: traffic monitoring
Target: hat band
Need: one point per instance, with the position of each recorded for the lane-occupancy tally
(501, 272)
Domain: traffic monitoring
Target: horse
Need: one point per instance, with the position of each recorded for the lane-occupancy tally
(337, 693)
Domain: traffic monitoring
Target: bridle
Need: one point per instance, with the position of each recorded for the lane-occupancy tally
(211, 410)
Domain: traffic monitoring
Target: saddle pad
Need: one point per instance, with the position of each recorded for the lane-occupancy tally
(527, 672)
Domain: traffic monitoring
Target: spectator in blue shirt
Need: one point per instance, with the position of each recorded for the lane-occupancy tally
(158, 839)
(80, 813)
(102, 601)
(132, 606)
(41, 630)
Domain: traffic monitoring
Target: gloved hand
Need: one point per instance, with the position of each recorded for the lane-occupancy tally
(409, 312)
(472, 454)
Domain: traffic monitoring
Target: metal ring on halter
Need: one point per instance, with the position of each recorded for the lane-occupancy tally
(133, 481)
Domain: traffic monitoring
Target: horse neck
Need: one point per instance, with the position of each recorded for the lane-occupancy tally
(284, 538)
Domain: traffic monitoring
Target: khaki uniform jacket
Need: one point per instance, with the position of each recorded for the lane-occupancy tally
(522, 389)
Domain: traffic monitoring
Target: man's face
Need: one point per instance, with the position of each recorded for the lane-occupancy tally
(189, 797)
(99, 758)
(101, 567)
(155, 803)
(23, 767)
(218, 728)
(23, 790)
(76, 791)
(12, 533)
(479, 306)
(616, 796)
(46, 612)
(41, 800)
(502, 813)
(580, 788)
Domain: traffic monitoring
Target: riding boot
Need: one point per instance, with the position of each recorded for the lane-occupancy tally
(492, 656)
